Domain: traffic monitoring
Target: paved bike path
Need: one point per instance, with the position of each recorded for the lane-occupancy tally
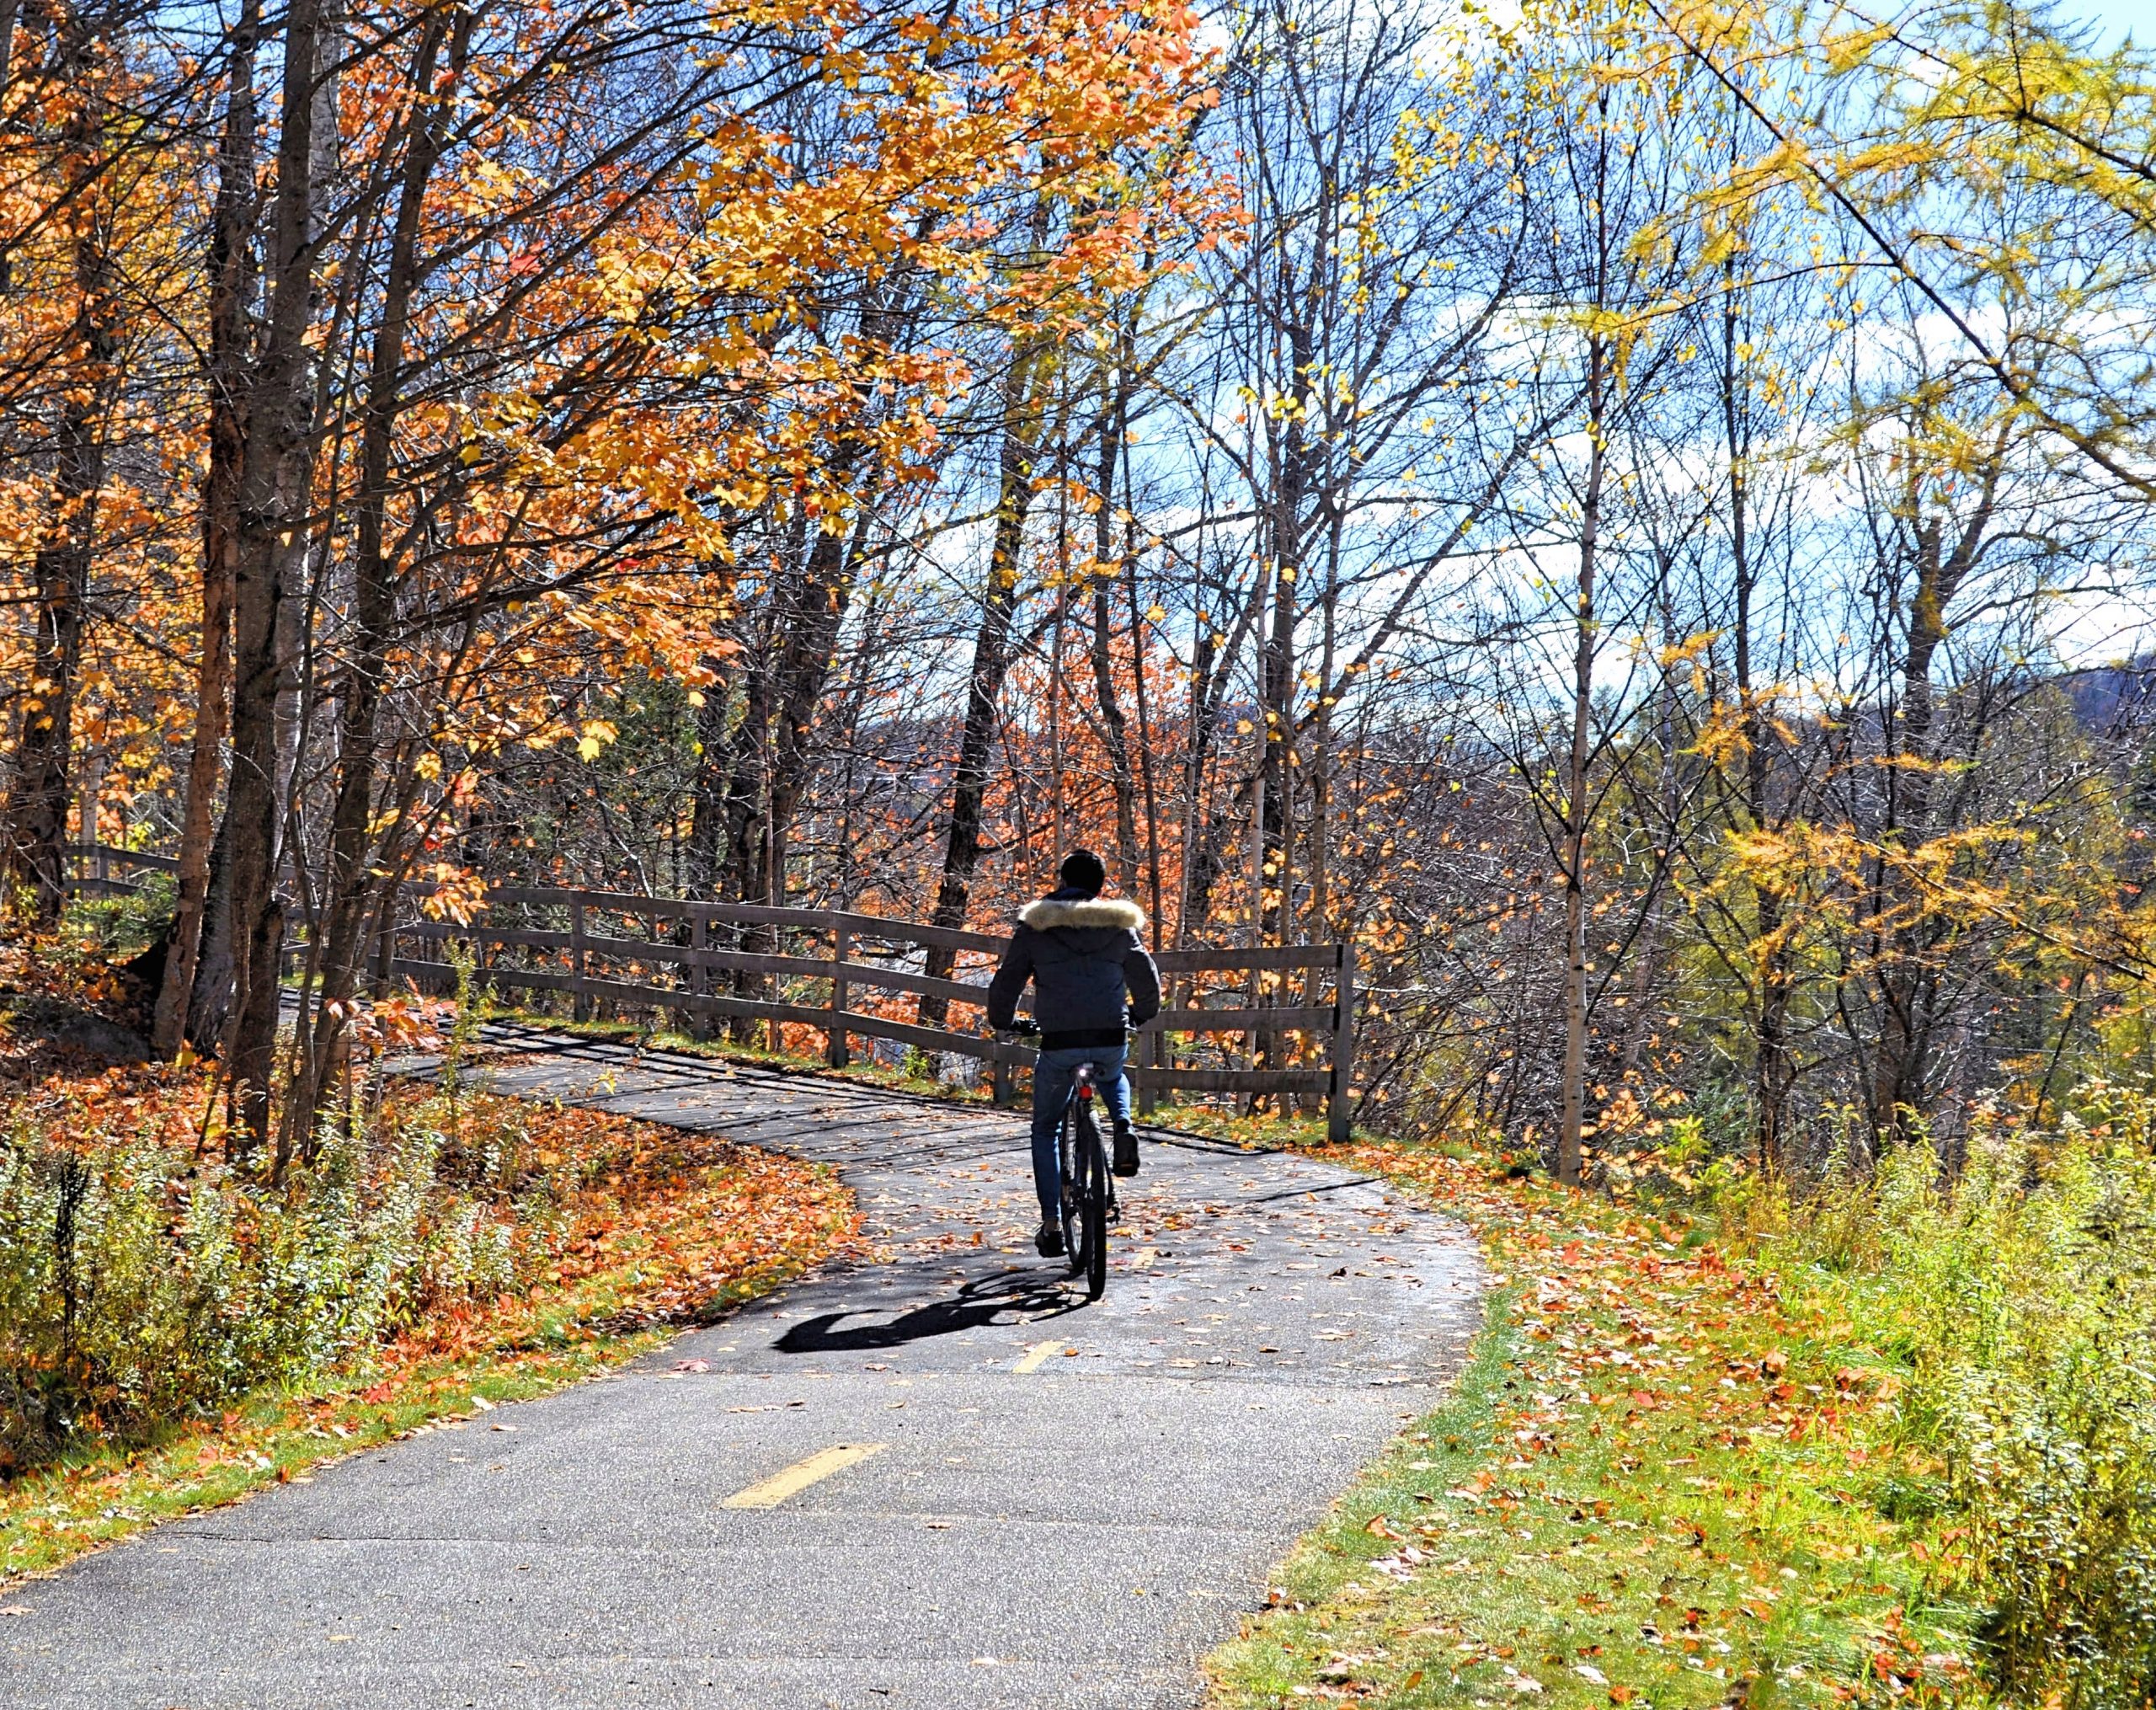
(1027, 1527)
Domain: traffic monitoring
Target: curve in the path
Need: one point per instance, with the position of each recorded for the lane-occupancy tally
(1025, 1501)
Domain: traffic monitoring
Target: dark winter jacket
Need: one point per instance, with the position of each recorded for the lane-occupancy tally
(1082, 952)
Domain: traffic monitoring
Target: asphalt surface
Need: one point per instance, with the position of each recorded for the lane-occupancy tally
(1036, 1503)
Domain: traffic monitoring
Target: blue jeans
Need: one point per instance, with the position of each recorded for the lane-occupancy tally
(1053, 1075)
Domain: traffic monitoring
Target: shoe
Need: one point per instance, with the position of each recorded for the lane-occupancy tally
(1048, 1241)
(1126, 1150)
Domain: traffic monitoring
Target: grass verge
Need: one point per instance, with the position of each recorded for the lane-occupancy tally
(1667, 1479)
(680, 1228)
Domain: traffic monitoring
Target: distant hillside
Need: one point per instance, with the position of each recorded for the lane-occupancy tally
(2115, 699)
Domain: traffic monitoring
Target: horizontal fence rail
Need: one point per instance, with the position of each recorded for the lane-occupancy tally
(1268, 1020)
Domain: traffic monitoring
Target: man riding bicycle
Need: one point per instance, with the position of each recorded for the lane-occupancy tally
(1082, 952)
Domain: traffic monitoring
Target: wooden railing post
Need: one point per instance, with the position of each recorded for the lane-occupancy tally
(699, 976)
(1343, 1049)
(385, 952)
(834, 1039)
(93, 790)
(579, 1004)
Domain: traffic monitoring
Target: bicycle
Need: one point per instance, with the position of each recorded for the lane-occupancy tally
(1089, 1200)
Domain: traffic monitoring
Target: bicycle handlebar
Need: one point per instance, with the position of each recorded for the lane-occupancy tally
(1026, 1028)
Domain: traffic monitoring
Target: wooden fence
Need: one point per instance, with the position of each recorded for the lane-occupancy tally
(1288, 1009)
(94, 870)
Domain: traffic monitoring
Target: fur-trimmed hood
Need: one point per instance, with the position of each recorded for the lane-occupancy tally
(1110, 911)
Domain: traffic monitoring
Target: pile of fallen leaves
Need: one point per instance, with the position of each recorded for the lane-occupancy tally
(68, 1038)
(669, 1224)
(67, 968)
(1667, 1481)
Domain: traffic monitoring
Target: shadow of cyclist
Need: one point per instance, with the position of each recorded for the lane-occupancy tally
(983, 1301)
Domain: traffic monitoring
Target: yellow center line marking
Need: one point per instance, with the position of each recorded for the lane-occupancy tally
(1037, 1353)
(770, 1492)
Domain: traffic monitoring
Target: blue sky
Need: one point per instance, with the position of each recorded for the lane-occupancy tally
(2119, 17)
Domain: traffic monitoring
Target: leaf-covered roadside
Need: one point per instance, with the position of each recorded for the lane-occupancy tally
(653, 1228)
(1667, 1480)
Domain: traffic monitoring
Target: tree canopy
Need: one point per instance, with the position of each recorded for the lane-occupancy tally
(1633, 513)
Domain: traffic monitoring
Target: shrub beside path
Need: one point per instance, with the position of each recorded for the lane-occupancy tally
(930, 1478)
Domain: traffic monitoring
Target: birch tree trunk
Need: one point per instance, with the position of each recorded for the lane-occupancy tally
(272, 499)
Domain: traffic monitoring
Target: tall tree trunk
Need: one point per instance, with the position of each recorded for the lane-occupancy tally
(232, 275)
(274, 493)
(353, 888)
(708, 791)
(1115, 727)
(804, 672)
(1142, 699)
(1901, 1063)
(746, 762)
(1320, 829)
(991, 661)
(1277, 673)
(1774, 1073)
(209, 1006)
(1773, 1069)
(1576, 778)
(1207, 855)
(1115, 731)
(36, 831)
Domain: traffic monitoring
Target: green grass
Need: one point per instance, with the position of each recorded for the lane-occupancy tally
(1616, 1506)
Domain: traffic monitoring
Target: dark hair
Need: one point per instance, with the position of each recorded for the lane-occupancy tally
(1082, 871)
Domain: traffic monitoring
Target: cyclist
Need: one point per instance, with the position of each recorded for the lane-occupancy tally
(1081, 950)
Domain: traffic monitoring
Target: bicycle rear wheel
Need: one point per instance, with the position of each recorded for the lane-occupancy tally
(1093, 1205)
(1074, 1187)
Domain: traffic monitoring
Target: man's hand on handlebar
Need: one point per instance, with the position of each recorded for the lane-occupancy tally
(1026, 1028)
